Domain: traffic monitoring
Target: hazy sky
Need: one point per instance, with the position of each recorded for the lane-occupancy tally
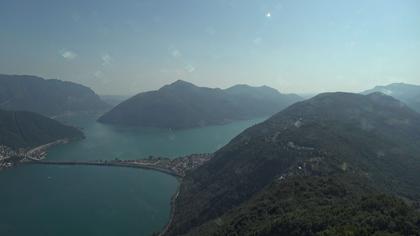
(125, 47)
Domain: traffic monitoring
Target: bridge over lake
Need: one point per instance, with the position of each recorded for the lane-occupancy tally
(108, 163)
(176, 167)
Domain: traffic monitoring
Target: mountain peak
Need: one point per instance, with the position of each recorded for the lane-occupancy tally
(185, 105)
(182, 83)
(263, 91)
(356, 100)
(393, 86)
(246, 86)
(407, 93)
(179, 84)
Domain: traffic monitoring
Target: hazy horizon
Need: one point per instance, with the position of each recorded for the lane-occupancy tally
(302, 47)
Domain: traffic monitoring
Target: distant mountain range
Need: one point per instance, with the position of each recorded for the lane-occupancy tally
(48, 97)
(22, 129)
(184, 105)
(113, 100)
(408, 93)
(329, 165)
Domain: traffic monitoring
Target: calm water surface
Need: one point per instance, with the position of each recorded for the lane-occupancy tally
(88, 200)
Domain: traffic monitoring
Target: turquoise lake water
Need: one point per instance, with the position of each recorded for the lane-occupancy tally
(89, 200)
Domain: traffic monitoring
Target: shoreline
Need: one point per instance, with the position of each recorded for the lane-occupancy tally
(177, 167)
(172, 210)
(41, 150)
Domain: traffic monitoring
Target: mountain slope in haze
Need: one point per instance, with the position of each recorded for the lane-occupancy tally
(257, 101)
(113, 100)
(371, 139)
(407, 93)
(184, 105)
(21, 129)
(48, 97)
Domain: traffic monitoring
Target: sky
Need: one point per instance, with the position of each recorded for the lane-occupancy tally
(296, 46)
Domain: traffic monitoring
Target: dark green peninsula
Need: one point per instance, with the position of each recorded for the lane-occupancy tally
(26, 133)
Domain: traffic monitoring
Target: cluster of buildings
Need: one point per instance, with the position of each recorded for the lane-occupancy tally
(10, 157)
(183, 164)
(178, 166)
(6, 157)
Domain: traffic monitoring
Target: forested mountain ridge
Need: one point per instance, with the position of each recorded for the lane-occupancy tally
(184, 105)
(407, 93)
(363, 141)
(48, 97)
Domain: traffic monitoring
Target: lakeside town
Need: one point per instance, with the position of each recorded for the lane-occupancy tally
(10, 158)
(178, 166)
(7, 157)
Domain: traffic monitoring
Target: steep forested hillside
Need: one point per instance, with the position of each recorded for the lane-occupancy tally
(372, 140)
(26, 129)
(317, 205)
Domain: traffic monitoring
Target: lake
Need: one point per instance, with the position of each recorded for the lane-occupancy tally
(89, 200)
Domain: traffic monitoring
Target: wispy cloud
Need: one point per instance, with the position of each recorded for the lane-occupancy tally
(174, 52)
(189, 68)
(67, 54)
(106, 59)
(98, 74)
